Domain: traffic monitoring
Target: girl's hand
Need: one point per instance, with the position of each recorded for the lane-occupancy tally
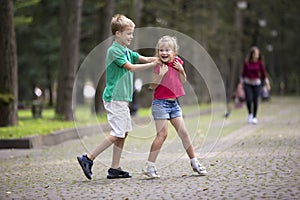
(178, 66)
(268, 87)
(163, 69)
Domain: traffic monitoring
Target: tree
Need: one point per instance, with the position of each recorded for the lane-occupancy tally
(8, 66)
(37, 54)
(69, 56)
(105, 15)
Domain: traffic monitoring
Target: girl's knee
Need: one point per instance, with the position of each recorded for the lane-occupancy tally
(162, 134)
(183, 135)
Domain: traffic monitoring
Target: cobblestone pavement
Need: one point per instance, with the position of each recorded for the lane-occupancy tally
(252, 162)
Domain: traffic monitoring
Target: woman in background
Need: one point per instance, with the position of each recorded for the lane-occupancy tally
(253, 76)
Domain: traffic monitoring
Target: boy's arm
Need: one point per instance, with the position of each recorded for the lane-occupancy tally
(144, 59)
(138, 67)
(156, 78)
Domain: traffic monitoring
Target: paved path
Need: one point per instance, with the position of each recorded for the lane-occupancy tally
(252, 162)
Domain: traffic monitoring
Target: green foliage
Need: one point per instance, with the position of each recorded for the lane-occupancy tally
(211, 23)
(6, 98)
(19, 4)
(37, 30)
(22, 20)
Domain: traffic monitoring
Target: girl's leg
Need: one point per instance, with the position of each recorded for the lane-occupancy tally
(162, 132)
(256, 90)
(179, 125)
(249, 97)
(117, 151)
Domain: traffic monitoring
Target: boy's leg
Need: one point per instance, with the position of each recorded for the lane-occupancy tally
(86, 161)
(115, 171)
(117, 151)
(108, 140)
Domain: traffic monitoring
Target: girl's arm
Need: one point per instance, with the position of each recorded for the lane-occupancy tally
(156, 78)
(264, 76)
(180, 68)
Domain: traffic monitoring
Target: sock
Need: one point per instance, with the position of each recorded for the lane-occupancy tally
(88, 157)
(149, 163)
(194, 161)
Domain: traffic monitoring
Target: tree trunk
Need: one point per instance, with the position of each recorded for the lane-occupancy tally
(106, 13)
(8, 66)
(69, 56)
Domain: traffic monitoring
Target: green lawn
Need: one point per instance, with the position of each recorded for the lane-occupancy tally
(29, 126)
(47, 124)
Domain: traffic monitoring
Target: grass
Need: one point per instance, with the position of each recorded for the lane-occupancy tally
(29, 126)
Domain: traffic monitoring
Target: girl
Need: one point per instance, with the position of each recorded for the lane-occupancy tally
(167, 83)
(253, 76)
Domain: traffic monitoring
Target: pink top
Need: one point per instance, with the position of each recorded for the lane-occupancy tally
(254, 70)
(170, 86)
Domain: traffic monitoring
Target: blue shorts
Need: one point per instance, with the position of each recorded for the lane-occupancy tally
(165, 109)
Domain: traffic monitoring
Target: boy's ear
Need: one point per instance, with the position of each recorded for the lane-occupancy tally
(117, 33)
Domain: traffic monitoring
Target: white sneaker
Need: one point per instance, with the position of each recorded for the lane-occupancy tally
(254, 120)
(150, 171)
(250, 118)
(199, 169)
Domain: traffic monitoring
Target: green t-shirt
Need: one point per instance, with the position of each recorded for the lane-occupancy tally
(119, 81)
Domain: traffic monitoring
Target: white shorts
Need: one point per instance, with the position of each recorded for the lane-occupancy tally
(118, 116)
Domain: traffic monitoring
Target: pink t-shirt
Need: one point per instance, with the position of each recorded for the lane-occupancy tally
(170, 86)
(254, 70)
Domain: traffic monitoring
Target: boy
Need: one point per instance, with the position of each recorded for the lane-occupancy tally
(117, 95)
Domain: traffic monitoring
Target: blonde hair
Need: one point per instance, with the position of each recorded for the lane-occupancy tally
(120, 23)
(170, 41)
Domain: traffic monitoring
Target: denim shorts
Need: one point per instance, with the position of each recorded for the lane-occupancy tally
(165, 109)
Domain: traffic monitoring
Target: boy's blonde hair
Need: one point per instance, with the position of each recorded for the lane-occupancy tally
(170, 41)
(120, 23)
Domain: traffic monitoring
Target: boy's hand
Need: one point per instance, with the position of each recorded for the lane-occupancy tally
(178, 66)
(156, 62)
(163, 69)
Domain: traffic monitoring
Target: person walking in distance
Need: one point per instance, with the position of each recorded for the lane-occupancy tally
(253, 76)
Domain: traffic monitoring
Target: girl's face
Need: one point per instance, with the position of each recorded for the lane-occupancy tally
(165, 53)
(255, 54)
(125, 37)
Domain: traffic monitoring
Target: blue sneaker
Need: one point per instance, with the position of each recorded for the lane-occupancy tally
(117, 173)
(86, 165)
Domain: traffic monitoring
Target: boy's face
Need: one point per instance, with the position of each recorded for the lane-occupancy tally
(165, 53)
(124, 38)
